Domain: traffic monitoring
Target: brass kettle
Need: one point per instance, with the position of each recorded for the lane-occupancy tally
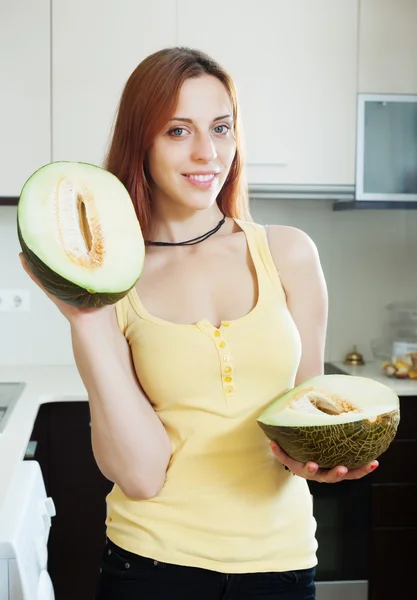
(354, 358)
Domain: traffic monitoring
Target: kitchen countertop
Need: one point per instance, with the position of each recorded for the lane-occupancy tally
(63, 384)
(371, 369)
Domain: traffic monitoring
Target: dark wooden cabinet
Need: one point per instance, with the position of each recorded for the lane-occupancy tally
(393, 534)
(63, 435)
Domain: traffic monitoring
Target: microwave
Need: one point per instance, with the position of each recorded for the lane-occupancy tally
(386, 147)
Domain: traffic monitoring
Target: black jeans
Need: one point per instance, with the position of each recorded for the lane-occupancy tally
(126, 576)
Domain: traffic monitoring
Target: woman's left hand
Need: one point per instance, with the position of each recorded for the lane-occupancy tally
(311, 470)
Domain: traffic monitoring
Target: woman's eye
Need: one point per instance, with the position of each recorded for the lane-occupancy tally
(222, 129)
(177, 132)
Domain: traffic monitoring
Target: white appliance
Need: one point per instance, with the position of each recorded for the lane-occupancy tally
(25, 521)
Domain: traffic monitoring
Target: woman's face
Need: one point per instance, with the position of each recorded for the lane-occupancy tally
(191, 157)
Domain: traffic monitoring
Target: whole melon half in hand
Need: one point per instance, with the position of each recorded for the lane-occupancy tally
(334, 420)
(79, 233)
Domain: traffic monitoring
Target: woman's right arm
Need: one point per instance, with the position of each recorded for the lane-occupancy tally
(130, 444)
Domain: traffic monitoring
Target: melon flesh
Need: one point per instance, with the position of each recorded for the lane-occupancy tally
(334, 420)
(79, 232)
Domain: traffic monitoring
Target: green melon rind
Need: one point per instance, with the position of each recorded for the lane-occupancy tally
(351, 444)
(63, 289)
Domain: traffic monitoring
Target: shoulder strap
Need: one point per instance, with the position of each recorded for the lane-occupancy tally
(258, 235)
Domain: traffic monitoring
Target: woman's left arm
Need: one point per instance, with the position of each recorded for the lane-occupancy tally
(297, 261)
(298, 264)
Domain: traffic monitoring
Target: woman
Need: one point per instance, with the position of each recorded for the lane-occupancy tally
(226, 316)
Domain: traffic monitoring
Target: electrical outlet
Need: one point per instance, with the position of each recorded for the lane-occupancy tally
(13, 300)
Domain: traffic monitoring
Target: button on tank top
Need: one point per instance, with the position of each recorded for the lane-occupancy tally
(227, 503)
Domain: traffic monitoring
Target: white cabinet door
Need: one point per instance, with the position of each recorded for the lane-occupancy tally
(96, 46)
(295, 66)
(25, 112)
(388, 47)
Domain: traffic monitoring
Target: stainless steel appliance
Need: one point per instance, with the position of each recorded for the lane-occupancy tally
(386, 159)
(342, 512)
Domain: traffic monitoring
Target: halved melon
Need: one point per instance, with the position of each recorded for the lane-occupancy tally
(79, 233)
(334, 420)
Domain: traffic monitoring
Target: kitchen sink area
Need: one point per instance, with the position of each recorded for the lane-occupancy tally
(10, 392)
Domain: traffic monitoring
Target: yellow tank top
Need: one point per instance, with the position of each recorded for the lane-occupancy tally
(227, 503)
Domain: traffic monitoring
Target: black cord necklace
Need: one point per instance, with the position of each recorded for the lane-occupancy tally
(193, 241)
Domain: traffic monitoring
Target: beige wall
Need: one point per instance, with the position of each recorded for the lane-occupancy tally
(369, 259)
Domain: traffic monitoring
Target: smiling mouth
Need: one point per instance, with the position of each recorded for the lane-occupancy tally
(202, 178)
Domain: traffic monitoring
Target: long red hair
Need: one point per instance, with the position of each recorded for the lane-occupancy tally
(147, 103)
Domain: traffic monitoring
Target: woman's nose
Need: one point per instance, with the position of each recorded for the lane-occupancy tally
(204, 148)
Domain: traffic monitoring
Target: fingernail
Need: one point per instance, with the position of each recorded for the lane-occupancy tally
(312, 469)
(340, 473)
(374, 466)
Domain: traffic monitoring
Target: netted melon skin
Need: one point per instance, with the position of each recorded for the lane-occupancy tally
(351, 444)
(61, 288)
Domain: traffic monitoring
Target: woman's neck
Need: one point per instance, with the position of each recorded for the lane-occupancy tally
(182, 225)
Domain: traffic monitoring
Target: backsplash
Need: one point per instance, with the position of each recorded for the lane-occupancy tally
(369, 259)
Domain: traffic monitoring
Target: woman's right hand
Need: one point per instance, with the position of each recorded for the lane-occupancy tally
(71, 313)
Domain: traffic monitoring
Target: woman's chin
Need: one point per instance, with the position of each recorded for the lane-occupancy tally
(200, 201)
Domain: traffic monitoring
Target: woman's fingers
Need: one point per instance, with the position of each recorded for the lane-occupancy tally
(312, 472)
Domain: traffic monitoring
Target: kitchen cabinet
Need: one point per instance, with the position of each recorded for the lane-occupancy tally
(388, 47)
(78, 488)
(393, 535)
(25, 107)
(295, 67)
(95, 49)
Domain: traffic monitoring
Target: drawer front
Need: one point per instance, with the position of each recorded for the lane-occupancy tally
(393, 564)
(394, 505)
(70, 444)
(407, 429)
(398, 464)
